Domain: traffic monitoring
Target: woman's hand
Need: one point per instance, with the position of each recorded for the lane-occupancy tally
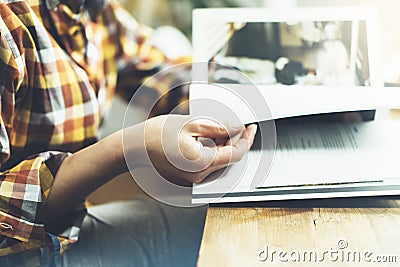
(181, 148)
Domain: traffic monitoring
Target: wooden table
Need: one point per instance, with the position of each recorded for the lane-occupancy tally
(336, 231)
(353, 229)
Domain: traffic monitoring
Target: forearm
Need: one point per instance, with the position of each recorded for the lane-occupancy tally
(83, 172)
(147, 144)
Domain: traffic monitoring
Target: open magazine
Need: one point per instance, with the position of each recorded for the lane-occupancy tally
(316, 151)
(310, 78)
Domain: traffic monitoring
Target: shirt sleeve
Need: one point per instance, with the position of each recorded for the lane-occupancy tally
(25, 186)
(23, 190)
(140, 59)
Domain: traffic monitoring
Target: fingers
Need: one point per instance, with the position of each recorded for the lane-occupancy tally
(211, 129)
(234, 139)
(219, 146)
(234, 152)
(229, 154)
(251, 133)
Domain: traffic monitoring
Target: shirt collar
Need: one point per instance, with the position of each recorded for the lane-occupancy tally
(74, 5)
(94, 7)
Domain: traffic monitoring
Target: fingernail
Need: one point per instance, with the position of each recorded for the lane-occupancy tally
(254, 131)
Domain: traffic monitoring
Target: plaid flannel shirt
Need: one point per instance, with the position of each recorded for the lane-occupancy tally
(59, 63)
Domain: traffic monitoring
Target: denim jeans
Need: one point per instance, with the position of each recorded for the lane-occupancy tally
(140, 232)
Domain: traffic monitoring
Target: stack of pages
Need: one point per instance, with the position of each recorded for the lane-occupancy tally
(299, 153)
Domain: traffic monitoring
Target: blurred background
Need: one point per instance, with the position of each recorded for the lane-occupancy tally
(178, 13)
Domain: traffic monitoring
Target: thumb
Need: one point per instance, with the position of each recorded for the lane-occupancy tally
(212, 129)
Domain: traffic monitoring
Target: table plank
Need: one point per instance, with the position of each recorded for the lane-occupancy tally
(235, 236)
